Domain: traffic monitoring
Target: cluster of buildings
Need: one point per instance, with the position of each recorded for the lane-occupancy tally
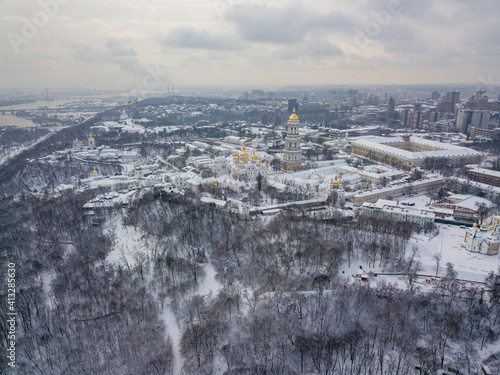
(377, 170)
(476, 117)
(89, 152)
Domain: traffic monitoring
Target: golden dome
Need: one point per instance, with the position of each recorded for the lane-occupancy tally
(258, 161)
(335, 183)
(253, 156)
(236, 156)
(294, 116)
(243, 153)
(90, 137)
(242, 162)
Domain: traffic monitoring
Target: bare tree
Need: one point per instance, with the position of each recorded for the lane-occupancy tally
(259, 182)
(483, 211)
(437, 257)
(413, 267)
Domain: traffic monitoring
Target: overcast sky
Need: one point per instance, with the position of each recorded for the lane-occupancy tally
(118, 44)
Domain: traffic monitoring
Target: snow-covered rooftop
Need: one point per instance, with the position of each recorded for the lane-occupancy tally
(442, 150)
(488, 172)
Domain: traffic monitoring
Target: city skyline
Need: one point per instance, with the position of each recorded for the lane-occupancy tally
(61, 44)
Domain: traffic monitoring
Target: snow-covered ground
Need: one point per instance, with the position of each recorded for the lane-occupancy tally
(173, 330)
(472, 267)
(469, 266)
(209, 285)
(13, 151)
(128, 244)
(421, 201)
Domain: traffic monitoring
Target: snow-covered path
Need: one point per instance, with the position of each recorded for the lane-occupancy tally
(207, 286)
(129, 243)
(173, 330)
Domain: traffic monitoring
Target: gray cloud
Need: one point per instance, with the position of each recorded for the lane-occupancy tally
(313, 48)
(403, 38)
(322, 47)
(118, 47)
(199, 38)
(288, 24)
(116, 51)
(87, 54)
(249, 40)
(125, 56)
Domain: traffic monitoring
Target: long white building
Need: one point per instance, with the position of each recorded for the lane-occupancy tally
(390, 209)
(413, 152)
(391, 192)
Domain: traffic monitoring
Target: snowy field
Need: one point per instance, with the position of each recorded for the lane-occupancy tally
(472, 267)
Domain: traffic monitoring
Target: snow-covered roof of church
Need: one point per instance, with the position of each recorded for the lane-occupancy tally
(482, 234)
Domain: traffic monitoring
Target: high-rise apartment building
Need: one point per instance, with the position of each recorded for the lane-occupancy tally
(477, 118)
(389, 115)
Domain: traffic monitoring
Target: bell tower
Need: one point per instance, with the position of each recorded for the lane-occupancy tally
(139, 173)
(337, 193)
(91, 141)
(292, 154)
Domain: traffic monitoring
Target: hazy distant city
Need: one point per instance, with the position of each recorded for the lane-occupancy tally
(239, 187)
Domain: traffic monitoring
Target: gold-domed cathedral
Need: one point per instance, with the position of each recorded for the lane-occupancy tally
(337, 193)
(292, 154)
(247, 167)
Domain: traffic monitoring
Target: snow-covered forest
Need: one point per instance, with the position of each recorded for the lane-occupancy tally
(173, 286)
